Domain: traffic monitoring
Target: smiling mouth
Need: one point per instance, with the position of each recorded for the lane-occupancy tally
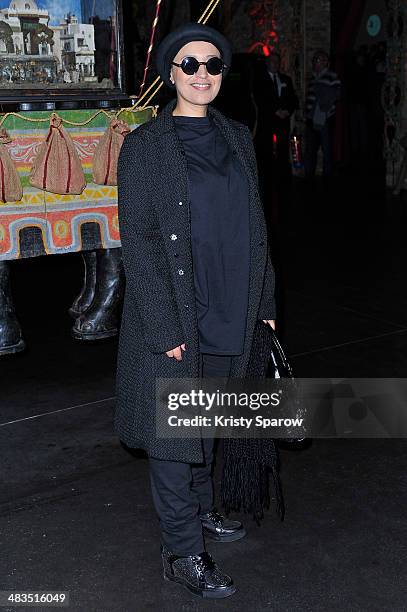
(201, 86)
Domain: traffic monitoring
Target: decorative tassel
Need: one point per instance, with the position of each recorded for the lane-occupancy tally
(107, 153)
(10, 184)
(57, 167)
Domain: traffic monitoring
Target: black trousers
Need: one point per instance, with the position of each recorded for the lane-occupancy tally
(314, 139)
(183, 491)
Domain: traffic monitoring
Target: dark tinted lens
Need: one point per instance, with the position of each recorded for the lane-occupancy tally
(214, 65)
(190, 65)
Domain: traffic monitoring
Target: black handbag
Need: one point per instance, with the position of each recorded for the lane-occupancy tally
(273, 363)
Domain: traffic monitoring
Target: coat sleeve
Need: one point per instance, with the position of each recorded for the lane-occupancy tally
(148, 280)
(267, 308)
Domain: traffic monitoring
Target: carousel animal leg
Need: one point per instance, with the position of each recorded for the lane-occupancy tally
(85, 297)
(10, 329)
(101, 319)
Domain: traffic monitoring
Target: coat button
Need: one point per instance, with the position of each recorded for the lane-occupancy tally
(180, 203)
(186, 305)
(173, 236)
(180, 271)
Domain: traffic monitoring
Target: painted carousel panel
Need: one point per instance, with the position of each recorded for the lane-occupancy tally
(49, 223)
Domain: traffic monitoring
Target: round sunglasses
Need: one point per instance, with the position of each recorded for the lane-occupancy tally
(190, 65)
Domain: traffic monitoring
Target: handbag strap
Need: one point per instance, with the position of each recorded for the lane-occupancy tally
(281, 353)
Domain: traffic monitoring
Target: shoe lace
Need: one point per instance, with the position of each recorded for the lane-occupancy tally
(215, 517)
(203, 563)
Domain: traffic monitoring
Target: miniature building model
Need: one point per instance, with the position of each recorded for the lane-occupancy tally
(33, 51)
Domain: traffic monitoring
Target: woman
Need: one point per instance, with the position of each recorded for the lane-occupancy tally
(198, 277)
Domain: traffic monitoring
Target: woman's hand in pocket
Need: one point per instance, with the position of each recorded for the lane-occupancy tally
(176, 352)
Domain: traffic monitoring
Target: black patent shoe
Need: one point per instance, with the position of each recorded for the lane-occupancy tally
(199, 574)
(217, 527)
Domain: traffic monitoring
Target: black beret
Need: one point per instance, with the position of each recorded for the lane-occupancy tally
(172, 43)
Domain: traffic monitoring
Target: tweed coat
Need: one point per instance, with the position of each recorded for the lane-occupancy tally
(159, 302)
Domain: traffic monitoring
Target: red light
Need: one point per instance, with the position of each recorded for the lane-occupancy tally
(274, 138)
(266, 51)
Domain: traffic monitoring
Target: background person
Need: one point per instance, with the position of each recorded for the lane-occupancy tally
(275, 100)
(322, 95)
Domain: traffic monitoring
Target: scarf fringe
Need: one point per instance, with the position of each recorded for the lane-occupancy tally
(245, 487)
(248, 461)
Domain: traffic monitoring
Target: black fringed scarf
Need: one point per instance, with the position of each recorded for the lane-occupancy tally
(248, 462)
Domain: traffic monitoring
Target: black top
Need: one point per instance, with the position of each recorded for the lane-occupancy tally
(220, 235)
